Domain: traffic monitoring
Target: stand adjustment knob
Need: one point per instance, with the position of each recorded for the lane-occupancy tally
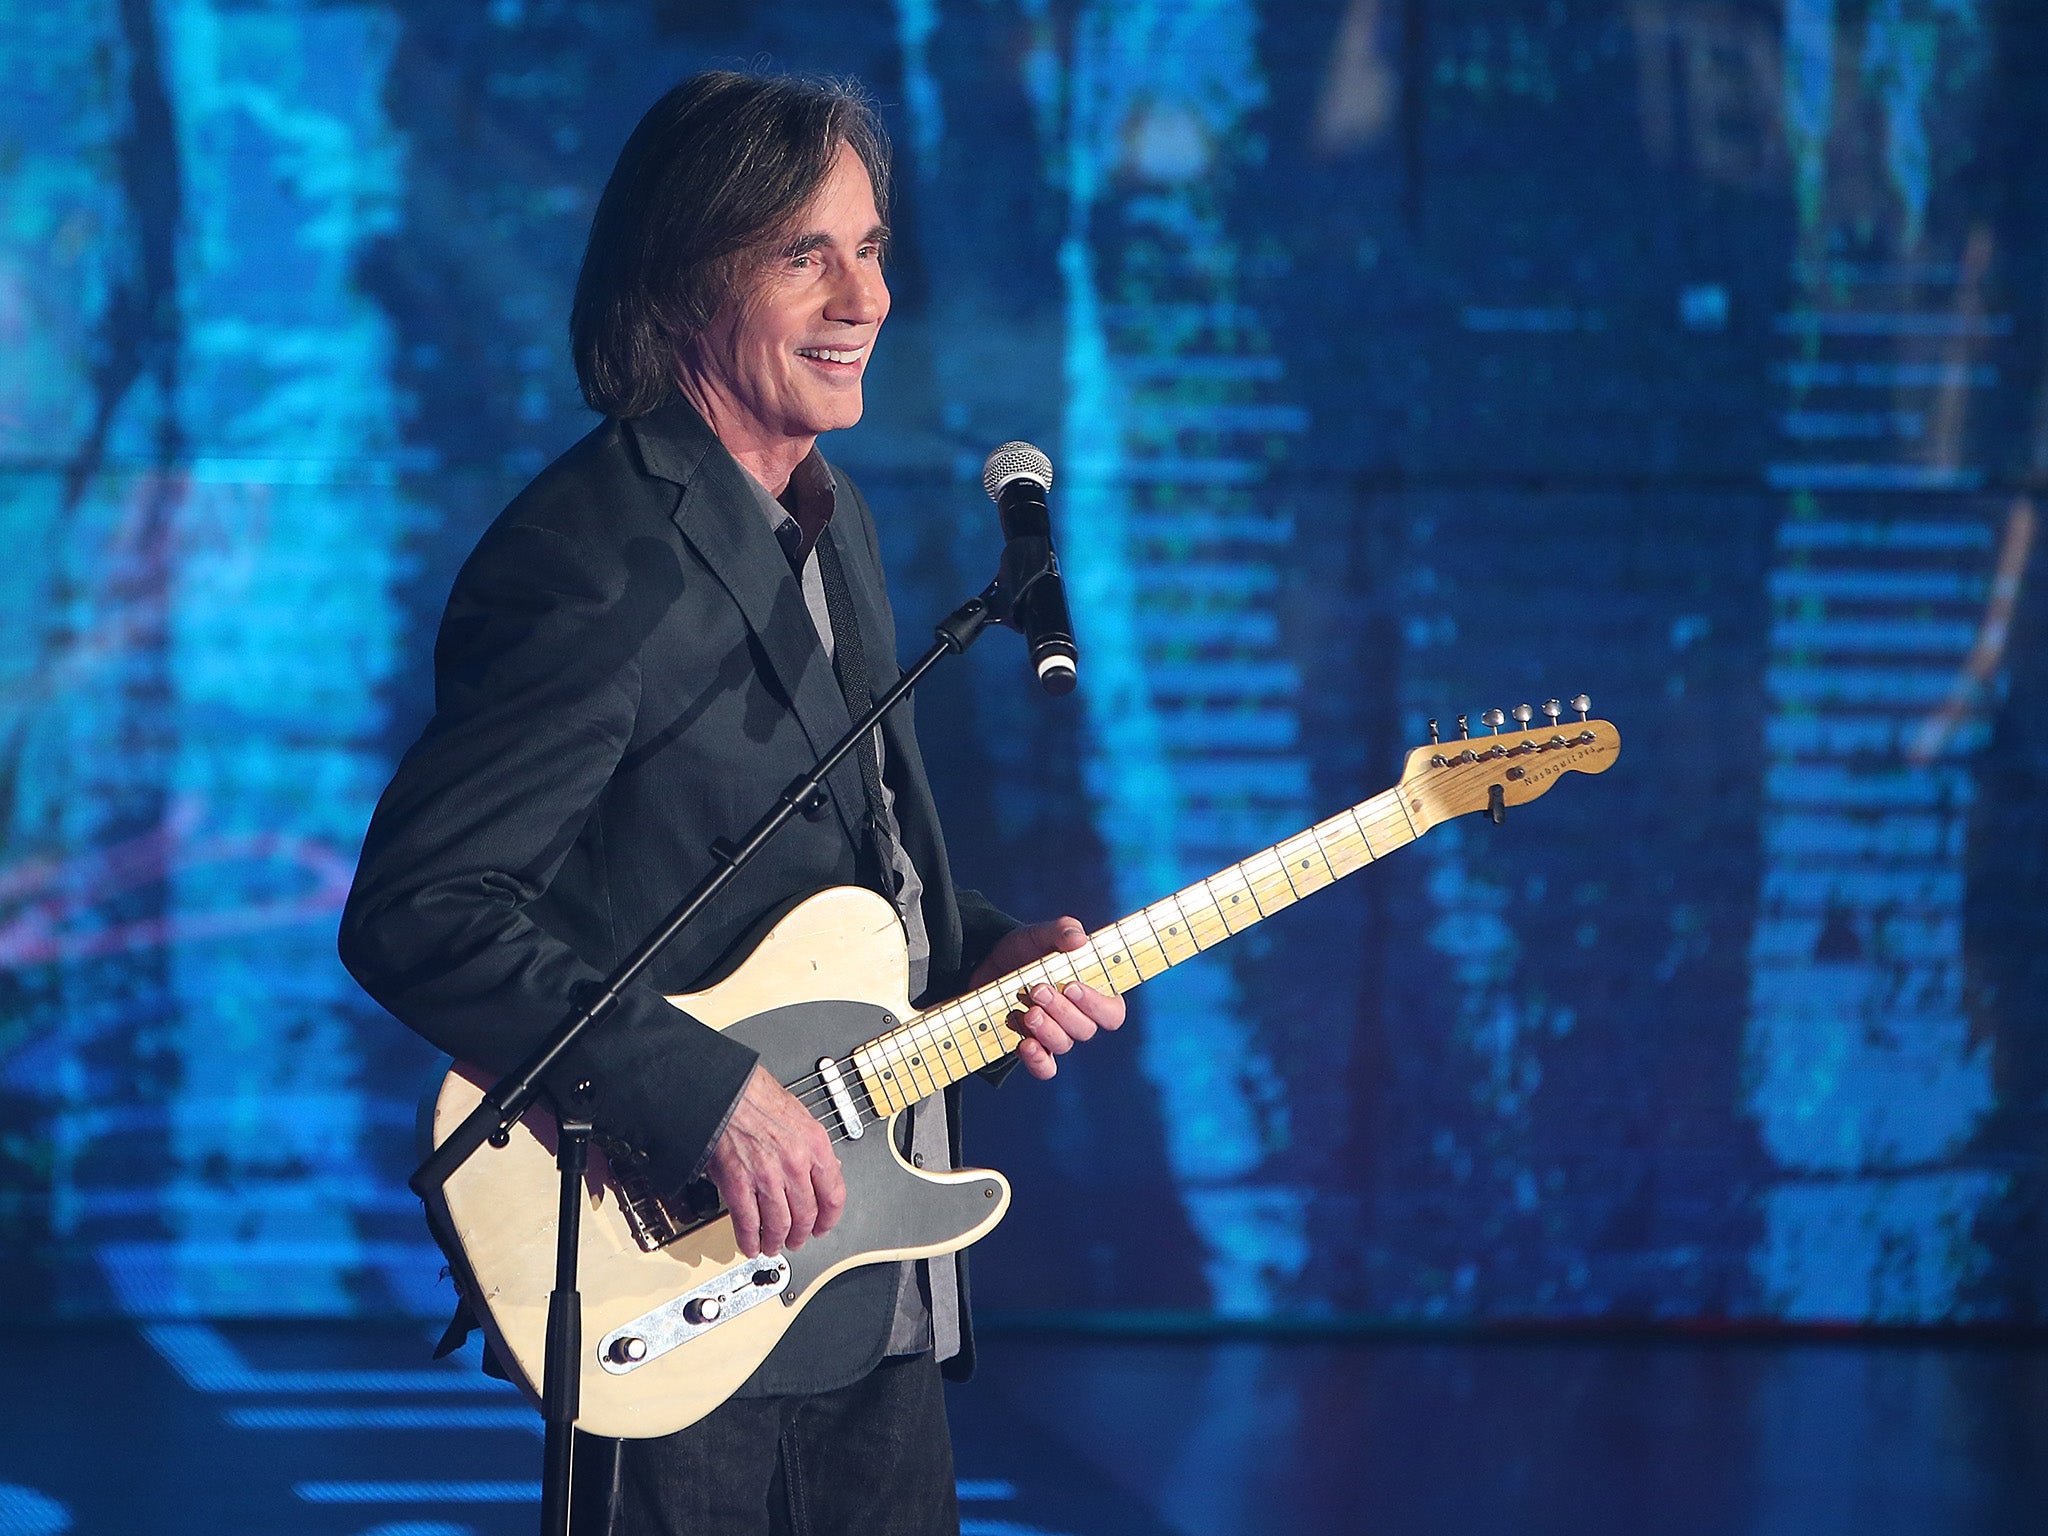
(628, 1349)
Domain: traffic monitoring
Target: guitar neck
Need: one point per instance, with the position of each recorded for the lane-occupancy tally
(937, 1048)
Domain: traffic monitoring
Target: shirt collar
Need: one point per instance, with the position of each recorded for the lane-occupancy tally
(799, 515)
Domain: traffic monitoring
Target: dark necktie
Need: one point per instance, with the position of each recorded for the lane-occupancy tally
(849, 661)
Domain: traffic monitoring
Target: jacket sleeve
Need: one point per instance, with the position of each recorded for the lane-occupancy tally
(983, 925)
(537, 679)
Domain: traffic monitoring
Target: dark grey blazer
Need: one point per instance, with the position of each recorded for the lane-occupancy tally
(625, 672)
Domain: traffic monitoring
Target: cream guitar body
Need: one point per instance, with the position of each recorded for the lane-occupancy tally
(674, 1319)
(828, 978)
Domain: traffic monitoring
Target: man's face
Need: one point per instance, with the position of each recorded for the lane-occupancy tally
(784, 362)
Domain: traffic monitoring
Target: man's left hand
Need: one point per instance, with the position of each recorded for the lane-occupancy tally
(1058, 1018)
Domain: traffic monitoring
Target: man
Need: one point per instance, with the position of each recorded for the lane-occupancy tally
(657, 635)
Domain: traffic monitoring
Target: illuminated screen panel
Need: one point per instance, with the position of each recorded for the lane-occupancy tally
(1398, 361)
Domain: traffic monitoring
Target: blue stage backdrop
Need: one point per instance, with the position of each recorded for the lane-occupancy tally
(1399, 358)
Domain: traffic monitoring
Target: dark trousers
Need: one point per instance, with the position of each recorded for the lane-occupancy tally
(874, 1458)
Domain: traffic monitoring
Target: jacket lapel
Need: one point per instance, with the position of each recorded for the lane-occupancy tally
(718, 515)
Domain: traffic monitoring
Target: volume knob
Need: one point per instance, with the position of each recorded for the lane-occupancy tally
(705, 1309)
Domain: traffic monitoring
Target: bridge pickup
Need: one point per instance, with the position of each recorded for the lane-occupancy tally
(842, 1098)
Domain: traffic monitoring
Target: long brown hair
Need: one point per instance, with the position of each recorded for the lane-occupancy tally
(719, 166)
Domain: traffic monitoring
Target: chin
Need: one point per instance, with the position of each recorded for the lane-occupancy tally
(838, 414)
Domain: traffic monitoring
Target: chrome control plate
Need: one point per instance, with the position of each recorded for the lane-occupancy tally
(717, 1300)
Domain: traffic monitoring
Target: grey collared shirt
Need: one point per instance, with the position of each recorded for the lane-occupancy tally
(927, 1292)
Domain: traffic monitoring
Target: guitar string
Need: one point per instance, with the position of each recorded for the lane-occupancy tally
(815, 1092)
(1213, 908)
(808, 1095)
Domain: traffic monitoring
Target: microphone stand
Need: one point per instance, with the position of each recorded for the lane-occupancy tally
(509, 1098)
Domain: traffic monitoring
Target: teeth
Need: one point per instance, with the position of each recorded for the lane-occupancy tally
(831, 356)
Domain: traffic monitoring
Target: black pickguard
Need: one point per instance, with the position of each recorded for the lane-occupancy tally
(889, 1206)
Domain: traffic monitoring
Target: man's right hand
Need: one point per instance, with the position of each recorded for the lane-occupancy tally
(775, 1167)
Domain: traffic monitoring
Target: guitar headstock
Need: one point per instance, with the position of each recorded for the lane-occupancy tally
(1491, 772)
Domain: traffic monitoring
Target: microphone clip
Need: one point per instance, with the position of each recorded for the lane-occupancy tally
(1027, 560)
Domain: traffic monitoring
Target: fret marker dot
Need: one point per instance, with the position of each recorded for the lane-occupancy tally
(917, 1061)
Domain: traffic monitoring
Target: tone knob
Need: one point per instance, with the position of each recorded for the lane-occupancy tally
(627, 1349)
(705, 1309)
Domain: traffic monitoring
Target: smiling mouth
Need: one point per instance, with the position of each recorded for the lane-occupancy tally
(840, 355)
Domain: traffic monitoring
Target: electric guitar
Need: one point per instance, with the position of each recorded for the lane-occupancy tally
(675, 1318)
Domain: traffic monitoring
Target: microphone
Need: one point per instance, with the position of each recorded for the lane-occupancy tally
(1016, 477)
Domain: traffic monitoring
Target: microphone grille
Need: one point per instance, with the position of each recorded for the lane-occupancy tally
(1015, 461)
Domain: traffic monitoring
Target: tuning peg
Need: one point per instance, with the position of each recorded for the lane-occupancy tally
(1523, 715)
(1581, 703)
(1494, 718)
(1432, 733)
(1553, 709)
(1464, 732)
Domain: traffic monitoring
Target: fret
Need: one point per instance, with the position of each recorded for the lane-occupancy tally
(1374, 837)
(1117, 966)
(991, 1026)
(1270, 887)
(1234, 900)
(1387, 823)
(1303, 860)
(903, 1082)
(969, 1053)
(1087, 969)
(921, 1077)
(1344, 844)
(883, 1086)
(879, 1076)
(1402, 805)
(1205, 919)
(1064, 960)
(1142, 945)
(1172, 931)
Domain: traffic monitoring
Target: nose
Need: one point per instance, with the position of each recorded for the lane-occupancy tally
(861, 296)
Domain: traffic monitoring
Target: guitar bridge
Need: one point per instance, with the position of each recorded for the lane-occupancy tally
(656, 1220)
